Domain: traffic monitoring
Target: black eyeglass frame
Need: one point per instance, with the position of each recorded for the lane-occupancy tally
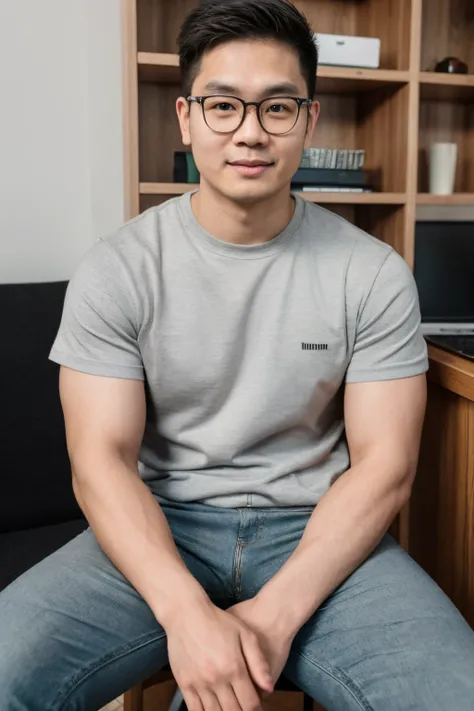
(258, 104)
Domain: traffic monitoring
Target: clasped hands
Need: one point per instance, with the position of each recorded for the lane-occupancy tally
(227, 660)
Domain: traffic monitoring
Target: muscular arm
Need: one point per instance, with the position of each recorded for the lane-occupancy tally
(105, 419)
(383, 424)
(208, 649)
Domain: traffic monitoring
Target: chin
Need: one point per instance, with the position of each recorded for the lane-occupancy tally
(251, 192)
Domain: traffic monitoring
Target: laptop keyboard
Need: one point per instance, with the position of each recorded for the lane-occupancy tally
(463, 345)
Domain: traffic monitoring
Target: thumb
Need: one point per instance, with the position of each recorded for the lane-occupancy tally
(257, 664)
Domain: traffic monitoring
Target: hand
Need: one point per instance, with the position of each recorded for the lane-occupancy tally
(216, 661)
(275, 644)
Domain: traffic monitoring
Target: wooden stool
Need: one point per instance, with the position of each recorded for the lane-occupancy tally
(133, 699)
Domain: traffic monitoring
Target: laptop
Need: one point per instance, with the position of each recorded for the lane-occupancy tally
(444, 273)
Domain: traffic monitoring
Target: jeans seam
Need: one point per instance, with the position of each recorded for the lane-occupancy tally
(342, 678)
(237, 573)
(79, 678)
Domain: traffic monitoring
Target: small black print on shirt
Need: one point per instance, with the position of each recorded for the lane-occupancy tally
(314, 346)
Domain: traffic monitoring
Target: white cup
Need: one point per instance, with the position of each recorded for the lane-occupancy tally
(443, 159)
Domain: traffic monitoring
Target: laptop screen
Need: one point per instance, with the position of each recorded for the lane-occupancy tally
(444, 271)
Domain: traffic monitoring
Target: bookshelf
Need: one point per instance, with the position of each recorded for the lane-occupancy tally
(394, 113)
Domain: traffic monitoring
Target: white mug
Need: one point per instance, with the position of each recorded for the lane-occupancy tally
(443, 159)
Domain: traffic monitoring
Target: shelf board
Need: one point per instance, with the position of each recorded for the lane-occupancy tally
(335, 198)
(447, 87)
(164, 69)
(158, 67)
(454, 199)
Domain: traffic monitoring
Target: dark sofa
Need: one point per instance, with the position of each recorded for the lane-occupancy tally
(38, 511)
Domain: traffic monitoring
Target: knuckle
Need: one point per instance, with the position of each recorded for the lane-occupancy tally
(235, 670)
(211, 677)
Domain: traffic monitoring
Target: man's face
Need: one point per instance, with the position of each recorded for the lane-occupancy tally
(251, 70)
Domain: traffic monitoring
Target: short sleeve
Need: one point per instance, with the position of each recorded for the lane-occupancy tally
(389, 343)
(99, 327)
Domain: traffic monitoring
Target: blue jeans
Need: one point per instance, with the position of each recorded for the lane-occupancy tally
(74, 634)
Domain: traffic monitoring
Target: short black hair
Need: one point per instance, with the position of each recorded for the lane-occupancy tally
(215, 22)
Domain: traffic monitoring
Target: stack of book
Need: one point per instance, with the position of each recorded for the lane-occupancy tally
(332, 170)
(333, 158)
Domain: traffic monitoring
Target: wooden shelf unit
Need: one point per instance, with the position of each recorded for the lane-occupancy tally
(394, 113)
(459, 199)
(163, 68)
(171, 189)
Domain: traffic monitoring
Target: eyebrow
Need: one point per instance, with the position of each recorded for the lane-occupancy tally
(284, 88)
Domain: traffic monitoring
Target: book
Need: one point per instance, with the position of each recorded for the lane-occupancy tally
(328, 176)
(332, 189)
(333, 158)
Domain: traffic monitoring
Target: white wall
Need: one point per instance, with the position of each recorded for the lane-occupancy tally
(61, 142)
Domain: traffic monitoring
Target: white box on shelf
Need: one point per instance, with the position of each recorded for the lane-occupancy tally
(347, 51)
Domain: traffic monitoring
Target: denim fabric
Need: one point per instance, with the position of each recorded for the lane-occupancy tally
(74, 634)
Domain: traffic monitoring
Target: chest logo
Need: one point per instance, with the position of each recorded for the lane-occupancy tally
(314, 346)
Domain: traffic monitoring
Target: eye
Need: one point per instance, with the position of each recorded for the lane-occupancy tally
(277, 108)
(224, 106)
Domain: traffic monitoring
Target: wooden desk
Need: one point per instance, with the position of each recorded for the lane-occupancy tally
(441, 531)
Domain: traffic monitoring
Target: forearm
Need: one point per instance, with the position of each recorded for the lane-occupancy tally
(345, 527)
(134, 533)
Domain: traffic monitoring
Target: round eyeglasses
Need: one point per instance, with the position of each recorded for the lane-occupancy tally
(226, 114)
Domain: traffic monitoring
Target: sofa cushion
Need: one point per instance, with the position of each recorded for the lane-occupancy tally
(20, 550)
(35, 476)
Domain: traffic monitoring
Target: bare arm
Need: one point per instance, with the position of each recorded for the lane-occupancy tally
(209, 650)
(383, 423)
(105, 420)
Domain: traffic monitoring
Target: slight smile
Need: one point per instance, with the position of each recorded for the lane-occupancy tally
(251, 168)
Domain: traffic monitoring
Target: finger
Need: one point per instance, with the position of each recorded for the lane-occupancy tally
(209, 700)
(246, 694)
(227, 698)
(192, 700)
(257, 664)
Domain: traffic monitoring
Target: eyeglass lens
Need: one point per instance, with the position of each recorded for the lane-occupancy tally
(224, 114)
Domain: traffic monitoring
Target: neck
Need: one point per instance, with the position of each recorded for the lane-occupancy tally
(244, 223)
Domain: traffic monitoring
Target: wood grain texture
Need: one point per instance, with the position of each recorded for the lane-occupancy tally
(130, 108)
(384, 222)
(159, 131)
(156, 695)
(448, 29)
(447, 87)
(442, 506)
(151, 27)
(133, 699)
(163, 68)
(171, 189)
(407, 249)
(451, 372)
(455, 199)
(389, 20)
(382, 125)
(450, 122)
(174, 13)
(330, 16)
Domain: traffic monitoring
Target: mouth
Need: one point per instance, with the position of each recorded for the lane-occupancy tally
(251, 168)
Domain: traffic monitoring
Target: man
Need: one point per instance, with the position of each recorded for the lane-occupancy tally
(243, 388)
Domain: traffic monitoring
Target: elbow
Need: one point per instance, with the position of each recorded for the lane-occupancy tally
(404, 486)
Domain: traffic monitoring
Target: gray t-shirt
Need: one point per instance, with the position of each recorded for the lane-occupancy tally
(245, 350)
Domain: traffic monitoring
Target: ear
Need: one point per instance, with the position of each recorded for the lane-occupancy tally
(312, 121)
(182, 109)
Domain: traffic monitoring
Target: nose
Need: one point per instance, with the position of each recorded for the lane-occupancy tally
(251, 132)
